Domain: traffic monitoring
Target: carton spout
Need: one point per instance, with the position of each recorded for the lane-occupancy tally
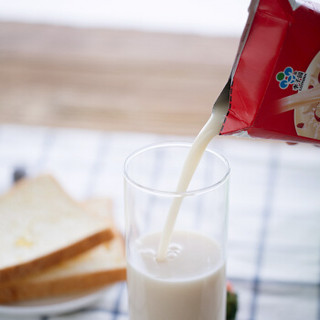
(221, 106)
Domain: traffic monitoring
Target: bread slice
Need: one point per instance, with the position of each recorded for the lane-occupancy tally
(98, 267)
(101, 266)
(42, 226)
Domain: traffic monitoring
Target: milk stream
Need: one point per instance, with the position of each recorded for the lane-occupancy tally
(207, 133)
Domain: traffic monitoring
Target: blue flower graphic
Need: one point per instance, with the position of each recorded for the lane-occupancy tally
(286, 77)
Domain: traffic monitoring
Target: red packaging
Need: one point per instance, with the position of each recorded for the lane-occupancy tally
(275, 80)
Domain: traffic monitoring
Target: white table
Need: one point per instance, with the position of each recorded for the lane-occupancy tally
(274, 223)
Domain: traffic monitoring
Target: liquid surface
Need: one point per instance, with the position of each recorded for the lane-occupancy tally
(188, 285)
(189, 254)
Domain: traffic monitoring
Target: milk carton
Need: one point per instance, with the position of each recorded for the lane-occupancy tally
(274, 87)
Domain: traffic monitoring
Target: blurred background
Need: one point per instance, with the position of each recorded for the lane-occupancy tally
(152, 66)
(84, 83)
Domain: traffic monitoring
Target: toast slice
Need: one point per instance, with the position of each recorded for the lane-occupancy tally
(42, 226)
(101, 266)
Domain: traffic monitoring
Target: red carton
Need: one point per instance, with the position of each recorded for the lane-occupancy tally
(275, 81)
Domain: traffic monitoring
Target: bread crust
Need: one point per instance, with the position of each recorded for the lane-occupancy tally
(26, 290)
(36, 277)
(34, 266)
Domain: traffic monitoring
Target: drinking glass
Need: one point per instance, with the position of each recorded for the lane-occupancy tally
(189, 282)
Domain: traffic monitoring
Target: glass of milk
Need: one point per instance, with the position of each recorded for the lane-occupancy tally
(188, 225)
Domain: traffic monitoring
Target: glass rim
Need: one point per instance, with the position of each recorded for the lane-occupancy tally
(174, 194)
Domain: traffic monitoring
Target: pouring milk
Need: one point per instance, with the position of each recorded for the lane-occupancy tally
(208, 132)
(171, 278)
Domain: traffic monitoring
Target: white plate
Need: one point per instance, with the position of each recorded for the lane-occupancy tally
(51, 306)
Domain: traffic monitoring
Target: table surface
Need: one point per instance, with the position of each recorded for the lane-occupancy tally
(76, 102)
(110, 79)
(274, 216)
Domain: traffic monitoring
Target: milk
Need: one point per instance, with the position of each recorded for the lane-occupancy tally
(208, 132)
(188, 285)
(179, 275)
